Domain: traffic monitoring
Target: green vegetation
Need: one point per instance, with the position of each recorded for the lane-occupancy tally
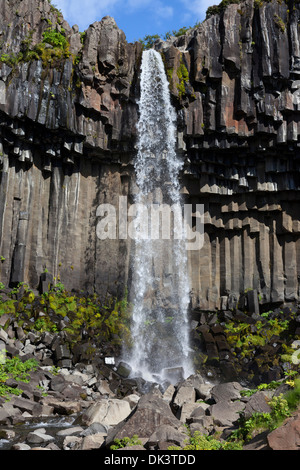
(125, 442)
(149, 40)
(279, 23)
(108, 319)
(53, 48)
(180, 32)
(282, 407)
(249, 341)
(183, 76)
(198, 441)
(55, 39)
(56, 11)
(15, 369)
(217, 9)
(273, 385)
(259, 3)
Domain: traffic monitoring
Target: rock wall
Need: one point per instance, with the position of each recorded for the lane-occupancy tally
(68, 133)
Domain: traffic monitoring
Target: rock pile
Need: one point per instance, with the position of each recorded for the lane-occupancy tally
(243, 344)
(158, 418)
(76, 401)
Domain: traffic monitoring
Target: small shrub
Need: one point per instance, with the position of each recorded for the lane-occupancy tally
(55, 39)
(125, 442)
(198, 441)
(293, 396)
(149, 40)
(16, 369)
(281, 408)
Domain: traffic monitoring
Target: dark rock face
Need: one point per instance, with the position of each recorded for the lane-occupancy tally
(67, 142)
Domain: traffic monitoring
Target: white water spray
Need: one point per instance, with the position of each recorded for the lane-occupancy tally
(160, 288)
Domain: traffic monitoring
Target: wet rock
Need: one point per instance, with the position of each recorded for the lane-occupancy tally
(39, 436)
(124, 369)
(7, 434)
(70, 431)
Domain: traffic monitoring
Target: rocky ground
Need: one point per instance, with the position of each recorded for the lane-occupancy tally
(76, 404)
(66, 420)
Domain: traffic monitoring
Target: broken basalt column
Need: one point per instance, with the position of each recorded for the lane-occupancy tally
(67, 143)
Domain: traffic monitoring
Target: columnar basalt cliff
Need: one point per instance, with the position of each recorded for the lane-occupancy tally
(68, 134)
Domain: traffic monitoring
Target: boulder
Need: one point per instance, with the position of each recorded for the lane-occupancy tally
(29, 406)
(226, 413)
(20, 446)
(39, 436)
(58, 383)
(124, 369)
(63, 407)
(70, 431)
(93, 441)
(72, 442)
(167, 433)
(187, 410)
(108, 412)
(94, 428)
(132, 399)
(196, 414)
(150, 412)
(258, 403)
(185, 394)
(7, 434)
(226, 392)
(259, 442)
(203, 424)
(286, 436)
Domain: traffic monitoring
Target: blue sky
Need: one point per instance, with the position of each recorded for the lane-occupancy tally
(136, 18)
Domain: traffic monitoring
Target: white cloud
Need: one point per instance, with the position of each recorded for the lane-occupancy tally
(157, 8)
(136, 4)
(164, 11)
(77, 11)
(195, 10)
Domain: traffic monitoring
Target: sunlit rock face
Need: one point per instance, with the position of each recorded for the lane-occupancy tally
(68, 143)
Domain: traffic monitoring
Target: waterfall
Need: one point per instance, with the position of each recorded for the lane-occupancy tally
(160, 286)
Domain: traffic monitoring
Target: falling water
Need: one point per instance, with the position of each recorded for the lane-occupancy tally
(160, 289)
